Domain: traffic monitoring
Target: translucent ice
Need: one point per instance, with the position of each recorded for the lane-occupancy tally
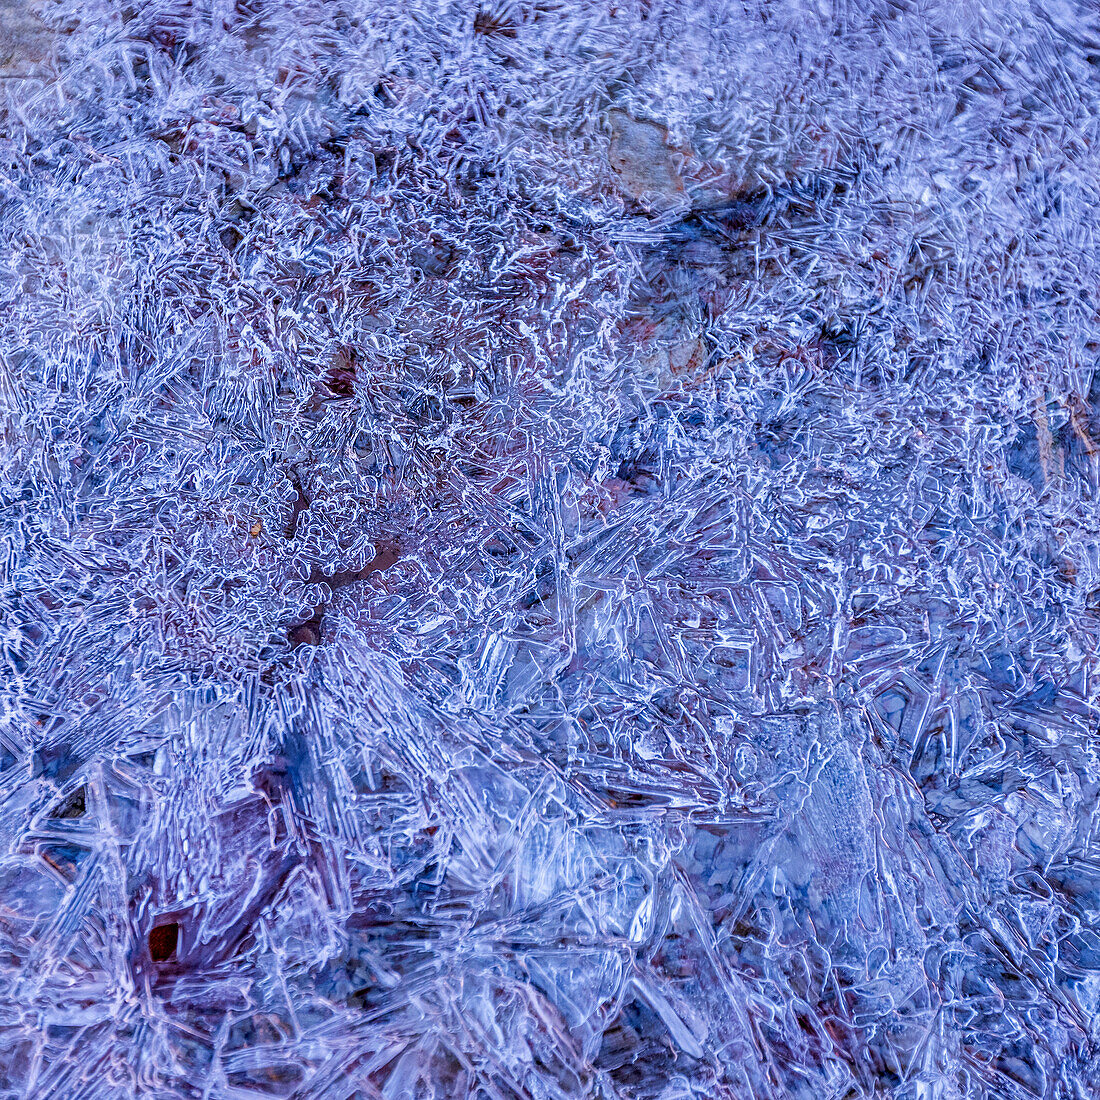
(549, 549)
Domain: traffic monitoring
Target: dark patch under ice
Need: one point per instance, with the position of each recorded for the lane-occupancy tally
(549, 550)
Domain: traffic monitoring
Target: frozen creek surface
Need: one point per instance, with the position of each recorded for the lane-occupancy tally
(549, 550)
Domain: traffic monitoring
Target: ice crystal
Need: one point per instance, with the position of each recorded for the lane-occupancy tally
(549, 549)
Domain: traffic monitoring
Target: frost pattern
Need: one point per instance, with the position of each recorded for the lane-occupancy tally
(549, 549)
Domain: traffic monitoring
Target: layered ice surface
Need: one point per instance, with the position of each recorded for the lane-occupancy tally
(549, 550)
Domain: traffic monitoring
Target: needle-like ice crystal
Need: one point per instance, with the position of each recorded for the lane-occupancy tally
(549, 550)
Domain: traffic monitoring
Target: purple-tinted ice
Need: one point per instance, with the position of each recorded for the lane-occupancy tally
(549, 550)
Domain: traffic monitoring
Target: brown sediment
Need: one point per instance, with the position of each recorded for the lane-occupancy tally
(308, 632)
(385, 556)
(163, 941)
(1079, 421)
(1051, 458)
(301, 503)
(24, 41)
(341, 376)
(643, 158)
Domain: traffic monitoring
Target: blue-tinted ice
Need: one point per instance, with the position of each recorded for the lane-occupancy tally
(549, 550)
